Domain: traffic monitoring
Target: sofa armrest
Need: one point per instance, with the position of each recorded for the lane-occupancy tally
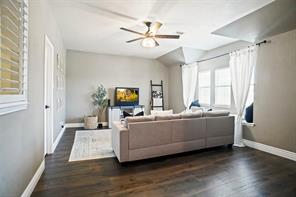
(120, 141)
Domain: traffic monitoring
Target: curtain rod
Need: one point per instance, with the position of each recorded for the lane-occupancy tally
(203, 60)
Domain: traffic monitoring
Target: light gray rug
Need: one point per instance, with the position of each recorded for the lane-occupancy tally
(91, 144)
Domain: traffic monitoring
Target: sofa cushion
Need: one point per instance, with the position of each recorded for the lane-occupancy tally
(168, 117)
(157, 117)
(161, 113)
(175, 116)
(189, 115)
(128, 120)
(216, 113)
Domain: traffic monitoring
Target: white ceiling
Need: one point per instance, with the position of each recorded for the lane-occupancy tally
(93, 25)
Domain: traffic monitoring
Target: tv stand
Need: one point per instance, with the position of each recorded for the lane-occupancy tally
(115, 113)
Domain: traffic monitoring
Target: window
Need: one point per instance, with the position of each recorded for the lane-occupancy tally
(13, 55)
(204, 87)
(222, 87)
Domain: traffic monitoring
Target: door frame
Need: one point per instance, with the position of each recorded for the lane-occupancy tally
(48, 96)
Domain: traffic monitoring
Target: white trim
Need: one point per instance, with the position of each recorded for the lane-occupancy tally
(248, 124)
(272, 150)
(81, 124)
(73, 125)
(31, 186)
(12, 107)
(57, 140)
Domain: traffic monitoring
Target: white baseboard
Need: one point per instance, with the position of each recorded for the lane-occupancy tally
(270, 149)
(56, 142)
(81, 124)
(73, 125)
(31, 186)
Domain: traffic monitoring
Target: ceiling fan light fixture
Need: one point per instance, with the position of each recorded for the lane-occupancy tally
(148, 43)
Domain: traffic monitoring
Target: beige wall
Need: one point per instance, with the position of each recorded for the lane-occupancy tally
(275, 94)
(175, 89)
(85, 71)
(21, 133)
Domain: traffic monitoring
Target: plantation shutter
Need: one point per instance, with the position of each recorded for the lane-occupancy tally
(13, 46)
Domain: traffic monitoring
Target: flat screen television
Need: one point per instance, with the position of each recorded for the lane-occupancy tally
(126, 96)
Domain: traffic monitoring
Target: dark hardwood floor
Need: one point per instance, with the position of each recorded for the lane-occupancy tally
(212, 172)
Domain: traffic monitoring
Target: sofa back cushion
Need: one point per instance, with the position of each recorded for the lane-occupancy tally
(161, 113)
(190, 115)
(216, 113)
(128, 120)
(168, 117)
(176, 116)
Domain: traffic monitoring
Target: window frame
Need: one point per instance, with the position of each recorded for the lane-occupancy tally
(214, 86)
(210, 87)
(13, 103)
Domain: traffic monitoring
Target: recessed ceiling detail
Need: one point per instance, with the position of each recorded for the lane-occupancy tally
(274, 18)
(93, 26)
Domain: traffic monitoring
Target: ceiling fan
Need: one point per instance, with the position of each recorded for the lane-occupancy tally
(149, 37)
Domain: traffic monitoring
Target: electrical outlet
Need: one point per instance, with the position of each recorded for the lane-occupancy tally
(62, 124)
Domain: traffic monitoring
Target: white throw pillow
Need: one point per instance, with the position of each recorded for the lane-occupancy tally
(194, 109)
(161, 113)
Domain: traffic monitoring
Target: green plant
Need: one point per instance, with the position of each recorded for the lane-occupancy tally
(100, 101)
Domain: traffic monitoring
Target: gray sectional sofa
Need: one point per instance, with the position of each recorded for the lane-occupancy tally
(147, 137)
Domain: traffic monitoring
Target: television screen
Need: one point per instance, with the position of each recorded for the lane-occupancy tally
(127, 96)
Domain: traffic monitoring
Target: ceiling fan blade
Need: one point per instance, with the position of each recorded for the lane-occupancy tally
(132, 31)
(168, 36)
(135, 39)
(156, 43)
(156, 26)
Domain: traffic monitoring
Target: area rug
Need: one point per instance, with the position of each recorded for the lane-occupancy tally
(91, 144)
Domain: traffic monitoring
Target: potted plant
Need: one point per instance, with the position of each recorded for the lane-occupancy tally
(100, 101)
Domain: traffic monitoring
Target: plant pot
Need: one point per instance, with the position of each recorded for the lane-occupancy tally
(90, 122)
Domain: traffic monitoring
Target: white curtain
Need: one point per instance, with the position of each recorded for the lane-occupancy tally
(242, 64)
(189, 79)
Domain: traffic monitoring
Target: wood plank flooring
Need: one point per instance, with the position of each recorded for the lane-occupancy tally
(212, 172)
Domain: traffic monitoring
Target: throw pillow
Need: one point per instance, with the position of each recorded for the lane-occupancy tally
(195, 103)
(249, 114)
(140, 113)
(125, 114)
(194, 109)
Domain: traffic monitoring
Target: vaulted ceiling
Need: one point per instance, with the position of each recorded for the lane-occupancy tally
(93, 25)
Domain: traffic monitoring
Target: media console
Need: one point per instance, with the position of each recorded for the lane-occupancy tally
(115, 113)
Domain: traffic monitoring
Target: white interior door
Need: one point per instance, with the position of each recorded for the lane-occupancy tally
(48, 95)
